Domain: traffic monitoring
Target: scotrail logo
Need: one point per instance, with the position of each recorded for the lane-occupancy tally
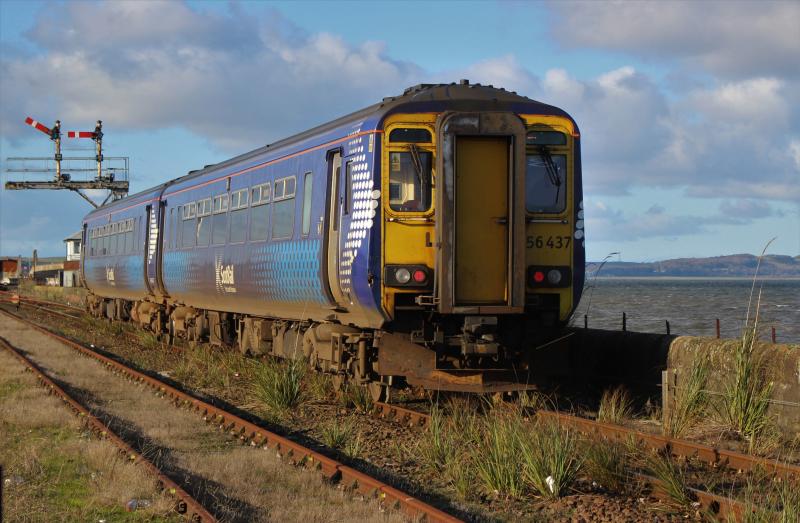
(223, 276)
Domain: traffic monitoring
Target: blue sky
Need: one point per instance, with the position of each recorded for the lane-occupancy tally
(689, 111)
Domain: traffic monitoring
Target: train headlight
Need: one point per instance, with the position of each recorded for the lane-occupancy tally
(553, 276)
(402, 275)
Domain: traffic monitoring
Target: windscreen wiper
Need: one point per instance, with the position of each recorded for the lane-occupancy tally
(415, 160)
(551, 169)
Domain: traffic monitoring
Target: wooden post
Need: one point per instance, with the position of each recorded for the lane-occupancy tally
(585, 321)
(773, 334)
(624, 321)
(667, 322)
(718, 336)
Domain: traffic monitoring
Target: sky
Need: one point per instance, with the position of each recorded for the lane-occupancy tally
(689, 111)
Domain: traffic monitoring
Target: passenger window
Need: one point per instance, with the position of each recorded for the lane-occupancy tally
(259, 212)
(307, 190)
(188, 229)
(203, 222)
(283, 215)
(410, 180)
(220, 226)
(546, 183)
(239, 216)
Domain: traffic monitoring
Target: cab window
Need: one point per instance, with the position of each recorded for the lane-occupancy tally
(545, 182)
(410, 180)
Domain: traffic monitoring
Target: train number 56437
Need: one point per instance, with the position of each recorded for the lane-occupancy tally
(550, 242)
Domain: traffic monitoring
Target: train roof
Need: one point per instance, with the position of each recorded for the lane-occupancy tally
(462, 96)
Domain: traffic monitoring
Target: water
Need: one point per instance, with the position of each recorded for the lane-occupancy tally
(692, 306)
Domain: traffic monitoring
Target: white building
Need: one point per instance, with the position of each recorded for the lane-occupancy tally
(71, 274)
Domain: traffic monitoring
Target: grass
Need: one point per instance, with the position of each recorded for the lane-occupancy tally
(672, 478)
(690, 401)
(498, 464)
(279, 385)
(356, 396)
(551, 459)
(342, 435)
(607, 463)
(616, 406)
(746, 396)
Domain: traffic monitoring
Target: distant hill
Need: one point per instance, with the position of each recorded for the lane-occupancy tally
(735, 265)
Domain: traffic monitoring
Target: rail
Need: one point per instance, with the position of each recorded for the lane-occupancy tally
(186, 505)
(258, 436)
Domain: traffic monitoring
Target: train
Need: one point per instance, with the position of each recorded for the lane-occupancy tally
(434, 239)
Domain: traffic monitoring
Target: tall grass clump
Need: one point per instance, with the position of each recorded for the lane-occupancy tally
(672, 478)
(690, 401)
(616, 406)
(342, 435)
(356, 396)
(778, 502)
(607, 464)
(438, 446)
(551, 458)
(746, 396)
(497, 461)
(279, 385)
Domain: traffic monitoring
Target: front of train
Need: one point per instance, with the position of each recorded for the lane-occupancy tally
(483, 238)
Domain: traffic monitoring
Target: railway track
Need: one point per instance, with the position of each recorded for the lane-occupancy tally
(256, 436)
(717, 505)
(185, 505)
(247, 432)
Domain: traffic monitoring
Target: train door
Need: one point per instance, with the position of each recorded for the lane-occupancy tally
(480, 206)
(333, 252)
(150, 251)
(481, 220)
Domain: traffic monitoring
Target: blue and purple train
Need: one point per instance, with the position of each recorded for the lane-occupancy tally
(433, 239)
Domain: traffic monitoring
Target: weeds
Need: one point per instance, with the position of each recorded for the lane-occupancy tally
(148, 340)
(690, 401)
(497, 459)
(438, 447)
(342, 436)
(746, 397)
(671, 478)
(354, 395)
(551, 459)
(616, 406)
(278, 385)
(607, 464)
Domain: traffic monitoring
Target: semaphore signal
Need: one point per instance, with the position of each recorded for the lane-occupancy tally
(105, 178)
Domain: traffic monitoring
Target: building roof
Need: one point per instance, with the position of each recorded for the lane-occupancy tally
(74, 236)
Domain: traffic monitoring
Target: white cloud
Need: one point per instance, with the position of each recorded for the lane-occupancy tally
(737, 39)
(232, 78)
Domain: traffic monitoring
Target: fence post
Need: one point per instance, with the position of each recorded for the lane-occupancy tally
(665, 396)
(718, 336)
(773, 334)
(585, 321)
(624, 321)
(667, 322)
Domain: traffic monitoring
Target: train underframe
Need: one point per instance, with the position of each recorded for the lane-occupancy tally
(448, 353)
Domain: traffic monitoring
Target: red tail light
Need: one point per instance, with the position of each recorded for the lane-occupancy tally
(420, 276)
(538, 276)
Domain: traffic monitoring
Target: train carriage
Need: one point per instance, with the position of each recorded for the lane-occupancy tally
(433, 238)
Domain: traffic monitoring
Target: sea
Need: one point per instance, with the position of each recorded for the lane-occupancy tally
(692, 306)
